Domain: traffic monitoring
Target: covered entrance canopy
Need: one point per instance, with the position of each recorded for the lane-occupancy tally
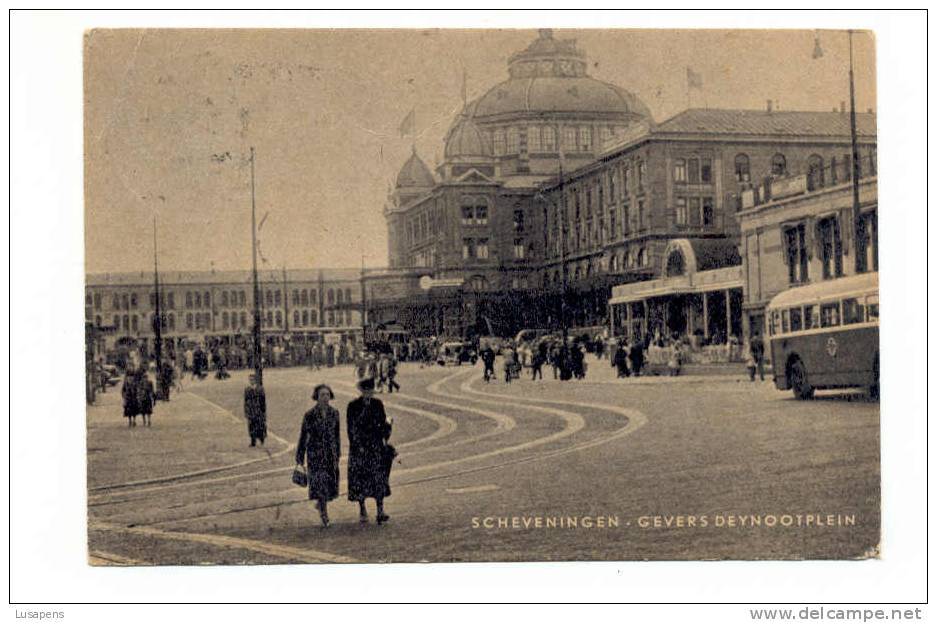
(699, 296)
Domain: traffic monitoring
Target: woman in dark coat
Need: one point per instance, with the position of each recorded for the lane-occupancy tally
(318, 446)
(129, 393)
(146, 396)
(368, 467)
(255, 410)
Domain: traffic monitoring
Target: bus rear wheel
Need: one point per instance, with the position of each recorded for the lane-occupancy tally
(797, 375)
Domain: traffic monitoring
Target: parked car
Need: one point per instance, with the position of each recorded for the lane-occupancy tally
(456, 353)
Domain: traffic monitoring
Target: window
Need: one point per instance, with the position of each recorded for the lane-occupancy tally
(497, 142)
(481, 251)
(513, 141)
(468, 215)
(518, 248)
(708, 212)
(279, 318)
(548, 138)
(276, 298)
(207, 299)
(612, 223)
(518, 220)
(331, 296)
(188, 321)
(339, 296)
(172, 300)
(97, 300)
(867, 243)
(694, 210)
(533, 139)
(312, 297)
(742, 168)
(642, 174)
(305, 317)
(681, 211)
(585, 138)
(811, 317)
(796, 253)
(331, 318)
(625, 178)
(304, 297)
(242, 298)
(796, 320)
(625, 219)
(831, 247)
(871, 305)
(115, 302)
(829, 315)
(224, 320)
(853, 311)
(481, 214)
(125, 302)
(569, 139)
(313, 317)
(778, 165)
(348, 295)
(347, 317)
(243, 319)
(706, 170)
(133, 300)
(468, 248)
(295, 318)
(133, 322)
(692, 171)
(611, 187)
(152, 300)
(679, 170)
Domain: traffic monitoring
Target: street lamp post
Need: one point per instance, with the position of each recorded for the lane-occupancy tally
(858, 229)
(258, 364)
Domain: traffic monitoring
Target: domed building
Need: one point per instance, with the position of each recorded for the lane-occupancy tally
(556, 187)
(476, 220)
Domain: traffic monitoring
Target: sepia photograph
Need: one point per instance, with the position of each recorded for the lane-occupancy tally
(480, 295)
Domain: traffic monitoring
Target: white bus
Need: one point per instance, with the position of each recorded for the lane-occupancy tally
(825, 335)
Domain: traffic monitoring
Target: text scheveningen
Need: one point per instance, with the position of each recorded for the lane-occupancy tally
(538, 522)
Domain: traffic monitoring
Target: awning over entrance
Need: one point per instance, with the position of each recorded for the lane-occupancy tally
(690, 283)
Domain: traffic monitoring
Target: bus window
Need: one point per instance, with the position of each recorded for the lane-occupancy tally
(829, 315)
(785, 321)
(853, 312)
(775, 323)
(811, 317)
(871, 303)
(796, 324)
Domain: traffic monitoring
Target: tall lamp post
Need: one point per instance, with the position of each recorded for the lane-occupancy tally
(859, 230)
(258, 363)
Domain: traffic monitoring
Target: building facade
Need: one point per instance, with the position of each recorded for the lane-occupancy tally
(219, 306)
(556, 187)
(804, 232)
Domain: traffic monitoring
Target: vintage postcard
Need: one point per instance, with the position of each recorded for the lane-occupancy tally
(396, 295)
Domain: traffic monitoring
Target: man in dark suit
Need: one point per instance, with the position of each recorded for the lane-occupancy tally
(368, 464)
(255, 410)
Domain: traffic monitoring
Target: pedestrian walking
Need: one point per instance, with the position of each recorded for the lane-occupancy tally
(620, 360)
(368, 467)
(255, 411)
(383, 367)
(508, 354)
(319, 448)
(537, 365)
(392, 375)
(165, 380)
(146, 396)
(577, 360)
(756, 348)
(129, 394)
(636, 356)
(488, 359)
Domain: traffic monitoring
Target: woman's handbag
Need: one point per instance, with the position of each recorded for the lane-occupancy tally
(299, 476)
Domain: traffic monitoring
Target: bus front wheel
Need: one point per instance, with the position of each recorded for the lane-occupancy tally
(797, 376)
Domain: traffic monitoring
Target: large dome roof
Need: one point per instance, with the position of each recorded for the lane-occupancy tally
(415, 174)
(550, 76)
(466, 140)
(579, 94)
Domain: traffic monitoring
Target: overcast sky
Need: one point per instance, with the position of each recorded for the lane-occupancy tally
(171, 114)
